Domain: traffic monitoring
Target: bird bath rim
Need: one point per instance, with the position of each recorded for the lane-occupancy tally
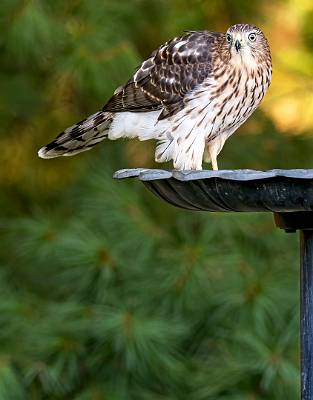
(277, 190)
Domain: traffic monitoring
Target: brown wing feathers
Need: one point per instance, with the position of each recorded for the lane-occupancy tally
(164, 79)
(161, 82)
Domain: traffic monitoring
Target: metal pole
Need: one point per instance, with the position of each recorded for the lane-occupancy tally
(306, 313)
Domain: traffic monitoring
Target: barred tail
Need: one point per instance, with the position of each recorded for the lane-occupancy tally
(79, 137)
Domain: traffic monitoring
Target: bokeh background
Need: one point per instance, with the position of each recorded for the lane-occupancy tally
(105, 292)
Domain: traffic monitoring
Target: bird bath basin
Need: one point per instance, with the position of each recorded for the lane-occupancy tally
(288, 194)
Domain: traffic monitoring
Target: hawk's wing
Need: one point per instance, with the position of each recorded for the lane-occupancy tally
(171, 72)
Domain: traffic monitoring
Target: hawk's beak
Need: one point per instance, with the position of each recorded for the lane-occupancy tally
(237, 45)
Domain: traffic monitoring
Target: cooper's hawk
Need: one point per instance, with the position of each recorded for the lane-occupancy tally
(190, 95)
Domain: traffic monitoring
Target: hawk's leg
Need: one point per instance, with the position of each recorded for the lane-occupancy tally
(214, 164)
(213, 148)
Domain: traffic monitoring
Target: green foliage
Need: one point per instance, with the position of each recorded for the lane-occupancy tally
(115, 299)
(106, 292)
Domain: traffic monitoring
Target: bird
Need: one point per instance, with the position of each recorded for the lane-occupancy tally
(190, 95)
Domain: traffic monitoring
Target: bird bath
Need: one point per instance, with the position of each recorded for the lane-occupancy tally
(288, 194)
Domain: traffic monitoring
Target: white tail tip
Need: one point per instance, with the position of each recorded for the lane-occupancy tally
(42, 153)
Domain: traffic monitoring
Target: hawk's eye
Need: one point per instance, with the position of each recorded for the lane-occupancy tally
(252, 37)
(228, 38)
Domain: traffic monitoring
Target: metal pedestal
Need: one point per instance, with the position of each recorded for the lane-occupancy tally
(306, 323)
(303, 222)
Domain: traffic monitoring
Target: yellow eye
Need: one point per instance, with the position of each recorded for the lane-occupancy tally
(252, 37)
(228, 38)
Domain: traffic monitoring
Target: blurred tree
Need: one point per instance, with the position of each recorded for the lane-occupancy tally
(105, 293)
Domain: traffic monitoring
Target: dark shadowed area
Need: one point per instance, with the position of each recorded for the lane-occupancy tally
(107, 293)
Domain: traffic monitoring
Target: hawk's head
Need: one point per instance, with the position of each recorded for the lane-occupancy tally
(247, 44)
